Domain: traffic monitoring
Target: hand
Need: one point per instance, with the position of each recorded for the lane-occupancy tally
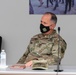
(18, 66)
(21, 66)
(28, 64)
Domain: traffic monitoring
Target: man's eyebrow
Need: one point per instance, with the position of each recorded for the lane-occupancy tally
(44, 22)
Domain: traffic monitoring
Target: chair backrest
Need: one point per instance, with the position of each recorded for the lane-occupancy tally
(0, 43)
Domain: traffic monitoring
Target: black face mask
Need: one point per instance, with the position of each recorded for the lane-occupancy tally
(44, 29)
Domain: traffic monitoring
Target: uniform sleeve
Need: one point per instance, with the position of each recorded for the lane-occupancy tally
(23, 58)
(53, 58)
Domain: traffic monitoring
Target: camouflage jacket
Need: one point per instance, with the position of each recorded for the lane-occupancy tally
(46, 47)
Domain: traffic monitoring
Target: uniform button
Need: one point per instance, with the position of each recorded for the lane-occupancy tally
(36, 44)
(45, 36)
(37, 53)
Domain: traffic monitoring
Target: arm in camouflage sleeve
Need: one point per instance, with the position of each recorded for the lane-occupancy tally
(53, 59)
(23, 58)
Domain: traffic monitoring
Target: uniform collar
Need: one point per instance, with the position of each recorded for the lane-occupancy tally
(46, 35)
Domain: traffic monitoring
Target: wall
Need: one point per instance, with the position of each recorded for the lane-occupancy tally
(17, 27)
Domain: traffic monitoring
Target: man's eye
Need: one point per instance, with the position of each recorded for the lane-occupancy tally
(41, 21)
(45, 23)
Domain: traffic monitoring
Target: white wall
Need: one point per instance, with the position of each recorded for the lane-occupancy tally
(17, 27)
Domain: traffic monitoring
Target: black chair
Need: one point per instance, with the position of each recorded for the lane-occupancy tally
(0, 43)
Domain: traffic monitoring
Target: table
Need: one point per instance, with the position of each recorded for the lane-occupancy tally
(67, 70)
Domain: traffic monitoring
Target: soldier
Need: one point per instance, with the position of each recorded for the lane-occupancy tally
(48, 3)
(31, 11)
(73, 3)
(41, 3)
(67, 4)
(62, 1)
(56, 4)
(46, 44)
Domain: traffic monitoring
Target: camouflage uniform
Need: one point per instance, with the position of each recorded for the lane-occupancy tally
(46, 47)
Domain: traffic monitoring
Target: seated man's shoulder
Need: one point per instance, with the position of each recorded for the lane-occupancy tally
(37, 36)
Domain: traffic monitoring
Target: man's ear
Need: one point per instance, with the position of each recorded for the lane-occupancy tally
(52, 26)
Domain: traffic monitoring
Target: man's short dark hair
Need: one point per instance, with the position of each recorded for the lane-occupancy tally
(54, 17)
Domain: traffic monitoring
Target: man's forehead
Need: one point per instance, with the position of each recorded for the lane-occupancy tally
(46, 17)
